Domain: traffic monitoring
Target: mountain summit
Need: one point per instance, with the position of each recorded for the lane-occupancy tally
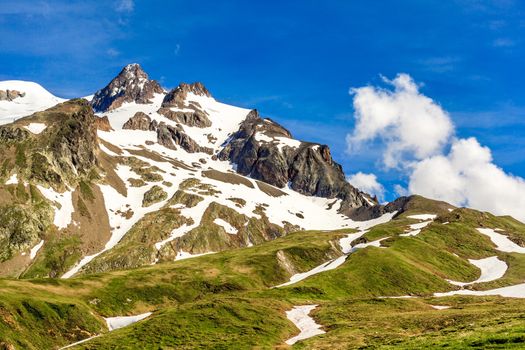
(132, 84)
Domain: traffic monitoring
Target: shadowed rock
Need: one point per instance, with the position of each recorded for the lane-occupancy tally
(132, 84)
(262, 150)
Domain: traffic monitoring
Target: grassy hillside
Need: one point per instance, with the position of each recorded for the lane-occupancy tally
(225, 300)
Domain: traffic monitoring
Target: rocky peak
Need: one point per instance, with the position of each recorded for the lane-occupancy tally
(176, 97)
(132, 84)
(264, 150)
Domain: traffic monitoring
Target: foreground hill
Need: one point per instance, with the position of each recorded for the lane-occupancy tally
(387, 285)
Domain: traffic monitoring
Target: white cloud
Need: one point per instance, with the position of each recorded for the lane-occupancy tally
(467, 177)
(411, 125)
(367, 183)
(125, 6)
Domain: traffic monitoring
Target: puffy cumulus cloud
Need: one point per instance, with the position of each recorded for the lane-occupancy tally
(411, 125)
(415, 131)
(367, 183)
(468, 177)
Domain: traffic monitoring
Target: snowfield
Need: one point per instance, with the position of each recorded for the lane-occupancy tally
(123, 321)
(307, 325)
(36, 99)
(501, 241)
(491, 269)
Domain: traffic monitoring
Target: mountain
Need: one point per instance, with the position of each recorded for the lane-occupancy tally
(148, 218)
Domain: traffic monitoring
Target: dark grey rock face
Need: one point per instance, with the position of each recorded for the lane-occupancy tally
(192, 114)
(170, 136)
(140, 121)
(176, 97)
(132, 84)
(261, 150)
(194, 118)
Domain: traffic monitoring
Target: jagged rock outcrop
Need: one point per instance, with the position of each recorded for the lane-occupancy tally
(190, 112)
(103, 124)
(10, 95)
(140, 121)
(169, 136)
(74, 143)
(177, 96)
(262, 149)
(132, 84)
(190, 118)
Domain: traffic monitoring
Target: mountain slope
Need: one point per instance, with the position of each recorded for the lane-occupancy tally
(149, 156)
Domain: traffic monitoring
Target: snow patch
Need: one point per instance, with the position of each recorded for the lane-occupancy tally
(440, 307)
(415, 229)
(423, 216)
(307, 325)
(491, 269)
(13, 180)
(515, 291)
(327, 266)
(35, 249)
(501, 241)
(181, 255)
(226, 225)
(123, 321)
(36, 128)
(64, 209)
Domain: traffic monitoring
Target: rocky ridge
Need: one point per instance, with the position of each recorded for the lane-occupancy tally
(132, 84)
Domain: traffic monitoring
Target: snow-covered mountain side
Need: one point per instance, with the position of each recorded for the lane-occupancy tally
(140, 175)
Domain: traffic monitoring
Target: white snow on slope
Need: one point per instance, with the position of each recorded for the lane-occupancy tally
(307, 325)
(516, 291)
(501, 241)
(181, 255)
(63, 205)
(226, 225)
(35, 250)
(491, 269)
(13, 180)
(36, 128)
(415, 229)
(225, 121)
(346, 248)
(440, 307)
(423, 216)
(36, 99)
(327, 266)
(123, 321)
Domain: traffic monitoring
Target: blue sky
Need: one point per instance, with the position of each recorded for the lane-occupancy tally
(293, 60)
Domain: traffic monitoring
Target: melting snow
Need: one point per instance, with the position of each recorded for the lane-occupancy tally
(307, 325)
(181, 255)
(35, 250)
(423, 216)
(416, 228)
(501, 241)
(330, 265)
(13, 180)
(516, 291)
(226, 225)
(36, 128)
(491, 269)
(123, 321)
(64, 209)
(440, 307)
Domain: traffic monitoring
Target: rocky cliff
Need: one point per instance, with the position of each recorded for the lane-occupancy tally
(132, 84)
